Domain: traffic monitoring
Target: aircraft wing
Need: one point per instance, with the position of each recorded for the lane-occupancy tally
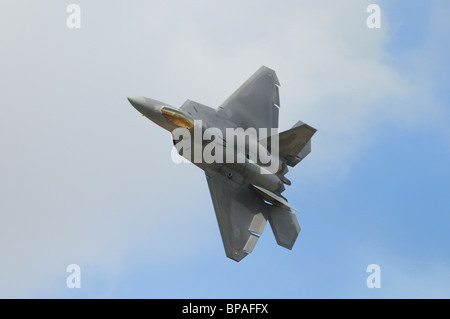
(240, 214)
(255, 103)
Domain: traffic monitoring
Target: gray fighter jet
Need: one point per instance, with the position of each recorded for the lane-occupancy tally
(245, 172)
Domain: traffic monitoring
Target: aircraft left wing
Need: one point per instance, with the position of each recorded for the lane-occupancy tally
(255, 103)
(240, 213)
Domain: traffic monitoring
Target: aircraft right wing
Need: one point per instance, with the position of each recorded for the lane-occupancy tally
(240, 213)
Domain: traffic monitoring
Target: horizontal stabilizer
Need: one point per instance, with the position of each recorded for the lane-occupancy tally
(284, 225)
(295, 143)
(271, 197)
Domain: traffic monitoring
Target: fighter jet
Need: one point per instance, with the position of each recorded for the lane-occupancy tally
(245, 178)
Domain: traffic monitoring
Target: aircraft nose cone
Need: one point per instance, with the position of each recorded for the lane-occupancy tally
(138, 102)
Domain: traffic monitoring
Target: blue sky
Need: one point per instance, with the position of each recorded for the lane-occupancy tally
(87, 180)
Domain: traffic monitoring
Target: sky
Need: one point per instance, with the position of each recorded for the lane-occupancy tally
(86, 180)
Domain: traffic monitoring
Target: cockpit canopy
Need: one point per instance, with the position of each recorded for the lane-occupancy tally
(177, 118)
